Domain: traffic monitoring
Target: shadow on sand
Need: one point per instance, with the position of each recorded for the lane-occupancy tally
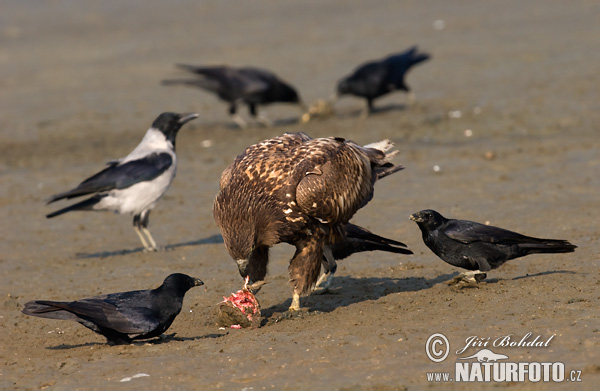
(345, 291)
(165, 338)
(213, 239)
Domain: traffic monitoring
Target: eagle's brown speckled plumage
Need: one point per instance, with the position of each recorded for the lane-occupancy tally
(298, 190)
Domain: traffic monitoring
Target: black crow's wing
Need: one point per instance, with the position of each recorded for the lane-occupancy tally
(121, 176)
(359, 239)
(121, 316)
(469, 231)
(372, 73)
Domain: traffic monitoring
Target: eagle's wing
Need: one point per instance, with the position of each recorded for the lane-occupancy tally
(335, 180)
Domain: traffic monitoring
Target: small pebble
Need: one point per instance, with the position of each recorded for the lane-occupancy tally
(454, 114)
(490, 155)
(439, 24)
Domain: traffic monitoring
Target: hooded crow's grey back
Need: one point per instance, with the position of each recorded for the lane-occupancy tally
(380, 77)
(135, 183)
(247, 85)
(126, 316)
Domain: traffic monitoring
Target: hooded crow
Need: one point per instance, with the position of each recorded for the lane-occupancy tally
(135, 183)
(248, 85)
(126, 316)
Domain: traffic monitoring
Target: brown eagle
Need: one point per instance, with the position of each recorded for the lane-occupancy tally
(301, 191)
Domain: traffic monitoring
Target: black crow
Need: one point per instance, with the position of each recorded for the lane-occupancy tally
(135, 183)
(248, 85)
(377, 78)
(126, 316)
(356, 239)
(302, 191)
(478, 247)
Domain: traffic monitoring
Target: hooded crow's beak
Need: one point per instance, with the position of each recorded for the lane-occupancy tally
(187, 117)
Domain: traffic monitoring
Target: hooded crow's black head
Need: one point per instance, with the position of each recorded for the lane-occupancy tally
(170, 123)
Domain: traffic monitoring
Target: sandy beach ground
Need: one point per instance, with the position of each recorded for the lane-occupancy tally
(80, 86)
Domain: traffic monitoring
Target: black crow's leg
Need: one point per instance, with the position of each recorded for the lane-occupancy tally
(329, 269)
(236, 117)
(474, 276)
(368, 109)
(469, 277)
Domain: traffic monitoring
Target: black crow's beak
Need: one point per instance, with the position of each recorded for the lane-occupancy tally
(198, 282)
(188, 117)
(416, 218)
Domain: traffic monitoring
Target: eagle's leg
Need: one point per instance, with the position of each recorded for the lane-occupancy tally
(305, 266)
(295, 306)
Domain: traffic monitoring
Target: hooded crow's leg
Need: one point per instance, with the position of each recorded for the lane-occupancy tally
(236, 117)
(260, 118)
(140, 224)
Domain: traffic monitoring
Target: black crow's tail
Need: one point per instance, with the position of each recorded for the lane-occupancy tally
(48, 309)
(83, 205)
(547, 246)
(359, 239)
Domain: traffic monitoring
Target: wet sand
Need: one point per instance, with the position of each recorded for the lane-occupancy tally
(80, 86)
